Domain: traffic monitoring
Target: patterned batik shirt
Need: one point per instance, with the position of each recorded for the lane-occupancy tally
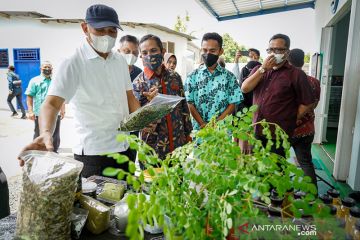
(307, 125)
(211, 93)
(174, 129)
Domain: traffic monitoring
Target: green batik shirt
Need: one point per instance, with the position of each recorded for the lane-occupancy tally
(38, 88)
(211, 93)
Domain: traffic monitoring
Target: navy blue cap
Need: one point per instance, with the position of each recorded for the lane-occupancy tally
(100, 16)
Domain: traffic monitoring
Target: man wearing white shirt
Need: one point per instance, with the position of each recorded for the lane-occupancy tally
(96, 82)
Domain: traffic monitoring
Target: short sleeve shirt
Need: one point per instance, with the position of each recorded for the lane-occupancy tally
(211, 93)
(96, 88)
(279, 94)
(38, 88)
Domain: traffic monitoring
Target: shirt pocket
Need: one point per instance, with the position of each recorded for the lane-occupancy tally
(279, 87)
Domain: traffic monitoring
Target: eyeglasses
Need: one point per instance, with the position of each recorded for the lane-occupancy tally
(276, 50)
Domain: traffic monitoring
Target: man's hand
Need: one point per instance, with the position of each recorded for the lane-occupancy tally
(237, 56)
(10, 92)
(42, 143)
(62, 114)
(269, 62)
(31, 116)
(151, 93)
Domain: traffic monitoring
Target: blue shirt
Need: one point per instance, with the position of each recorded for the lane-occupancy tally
(11, 77)
(211, 93)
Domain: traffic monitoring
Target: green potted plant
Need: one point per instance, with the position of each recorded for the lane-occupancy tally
(210, 184)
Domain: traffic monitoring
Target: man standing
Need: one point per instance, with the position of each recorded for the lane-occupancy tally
(280, 90)
(129, 49)
(174, 129)
(253, 55)
(96, 81)
(15, 90)
(305, 130)
(36, 93)
(211, 90)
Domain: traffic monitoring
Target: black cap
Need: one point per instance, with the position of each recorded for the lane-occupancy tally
(348, 202)
(333, 193)
(357, 224)
(100, 16)
(333, 210)
(274, 212)
(326, 199)
(355, 212)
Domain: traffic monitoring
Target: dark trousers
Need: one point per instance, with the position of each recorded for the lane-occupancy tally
(4, 196)
(18, 94)
(56, 135)
(302, 148)
(279, 151)
(94, 165)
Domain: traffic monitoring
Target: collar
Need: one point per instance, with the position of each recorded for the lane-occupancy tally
(45, 78)
(149, 74)
(90, 53)
(217, 69)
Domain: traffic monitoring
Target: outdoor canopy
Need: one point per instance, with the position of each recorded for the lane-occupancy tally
(232, 9)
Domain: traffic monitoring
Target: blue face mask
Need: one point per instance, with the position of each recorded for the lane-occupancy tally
(153, 61)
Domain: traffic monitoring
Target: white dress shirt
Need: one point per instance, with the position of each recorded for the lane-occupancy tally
(96, 89)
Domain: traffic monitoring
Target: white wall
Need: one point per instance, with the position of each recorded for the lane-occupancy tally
(347, 155)
(56, 41)
(59, 40)
(324, 16)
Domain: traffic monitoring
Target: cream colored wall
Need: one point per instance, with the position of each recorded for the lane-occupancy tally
(58, 40)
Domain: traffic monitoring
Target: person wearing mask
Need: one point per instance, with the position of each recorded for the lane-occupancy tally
(253, 55)
(280, 90)
(174, 129)
(95, 80)
(170, 61)
(211, 90)
(15, 90)
(36, 93)
(129, 49)
(304, 133)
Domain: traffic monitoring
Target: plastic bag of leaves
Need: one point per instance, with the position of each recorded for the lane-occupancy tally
(78, 220)
(99, 214)
(47, 197)
(161, 105)
(111, 193)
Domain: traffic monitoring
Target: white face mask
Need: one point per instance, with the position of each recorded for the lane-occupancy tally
(279, 58)
(102, 44)
(130, 58)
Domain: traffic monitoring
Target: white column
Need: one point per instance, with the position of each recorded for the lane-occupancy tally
(349, 99)
(354, 179)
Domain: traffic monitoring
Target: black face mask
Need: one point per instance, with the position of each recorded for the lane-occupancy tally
(47, 72)
(209, 59)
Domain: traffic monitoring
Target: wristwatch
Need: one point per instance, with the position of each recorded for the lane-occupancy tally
(262, 70)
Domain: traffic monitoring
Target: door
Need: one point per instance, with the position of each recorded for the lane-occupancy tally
(321, 112)
(27, 65)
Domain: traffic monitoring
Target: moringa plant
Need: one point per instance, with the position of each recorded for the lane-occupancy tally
(210, 184)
